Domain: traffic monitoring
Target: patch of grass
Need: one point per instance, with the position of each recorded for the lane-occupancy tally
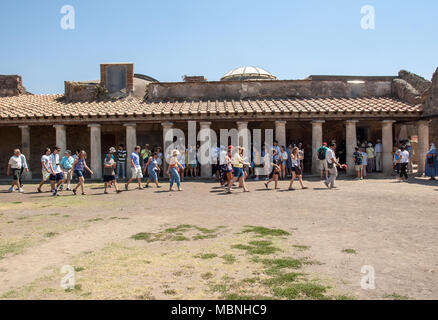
(219, 287)
(94, 220)
(180, 238)
(22, 218)
(10, 221)
(178, 273)
(261, 243)
(79, 269)
(262, 250)
(119, 218)
(281, 263)
(251, 280)
(344, 297)
(77, 287)
(306, 290)
(396, 296)
(349, 251)
(228, 258)
(181, 227)
(170, 292)
(207, 275)
(142, 236)
(283, 279)
(236, 296)
(263, 231)
(50, 234)
(202, 236)
(54, 214)
(66, 216)
(300, 247)
(206, 256)
(16, 202)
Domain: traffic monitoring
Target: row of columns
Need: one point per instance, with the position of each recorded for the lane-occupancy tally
(280, 136)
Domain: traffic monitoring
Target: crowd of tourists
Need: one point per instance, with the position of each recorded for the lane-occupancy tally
(231, 165)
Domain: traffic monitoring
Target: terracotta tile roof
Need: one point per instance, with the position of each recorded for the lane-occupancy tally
(52, 106)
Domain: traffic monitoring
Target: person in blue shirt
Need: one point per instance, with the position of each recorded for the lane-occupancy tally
(67, 168)
(136, 172)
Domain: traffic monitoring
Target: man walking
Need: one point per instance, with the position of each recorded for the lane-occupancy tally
(67, 168)
(135, 168)
(121, 162)
(332, 163)
(378, 149)
(56, 176)
(322, 161)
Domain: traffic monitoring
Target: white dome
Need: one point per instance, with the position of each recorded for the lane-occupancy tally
(248, 73)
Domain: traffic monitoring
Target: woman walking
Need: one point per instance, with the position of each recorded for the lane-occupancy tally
(80, 165)
(14, 167)
(153, 169)
(239, 175)
(275, 172)
(296, 168)
(45, 171)
(431, 168)
(283, 162)
(172, 171)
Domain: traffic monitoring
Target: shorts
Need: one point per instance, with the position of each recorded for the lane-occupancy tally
(153, 175)
(109, 178)
(16, 174)
(284, 163)
(358, 167)
(297, 170)
(136, 173)
(238, 172)
(56, 177)
(79, 173)
(45, 174)
(323, 165)
(273, 172)
(68, 173)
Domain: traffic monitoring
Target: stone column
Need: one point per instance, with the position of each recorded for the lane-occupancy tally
(244, 138)
(25, 149)
(205, 143)
(316, 143)
(61, 138)
(95, 150)
(131, 143)
(280, 132)
(423, 144)
(167, 128)
(387, 144)
(351, 143)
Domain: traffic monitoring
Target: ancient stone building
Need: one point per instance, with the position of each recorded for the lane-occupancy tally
(123, 107)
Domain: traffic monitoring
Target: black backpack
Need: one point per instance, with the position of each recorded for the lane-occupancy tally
(321, 153)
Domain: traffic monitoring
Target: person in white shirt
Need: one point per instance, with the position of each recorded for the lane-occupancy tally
(14, 167)
(404, 161)
(56, 175)
(378, 151)
(364, 162)
(24, 167)
(283, 162)
(332, 163)
(45, 170)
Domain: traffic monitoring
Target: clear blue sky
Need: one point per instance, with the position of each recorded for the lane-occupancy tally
(169, 38)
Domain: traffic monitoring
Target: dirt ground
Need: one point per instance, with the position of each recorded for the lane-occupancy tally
(204, 244)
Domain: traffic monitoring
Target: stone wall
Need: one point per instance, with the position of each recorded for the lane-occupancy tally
(281, 88)
(83, 91)
(419, 83)
(431, 107)
(11, 85)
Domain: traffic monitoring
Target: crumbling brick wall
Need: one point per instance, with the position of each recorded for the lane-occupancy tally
(11, 85)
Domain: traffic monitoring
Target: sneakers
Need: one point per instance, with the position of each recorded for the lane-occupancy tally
(10, 189)
(55, 193)
(20, 190)
(326, 184)
(126, 186)
(61, 187)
